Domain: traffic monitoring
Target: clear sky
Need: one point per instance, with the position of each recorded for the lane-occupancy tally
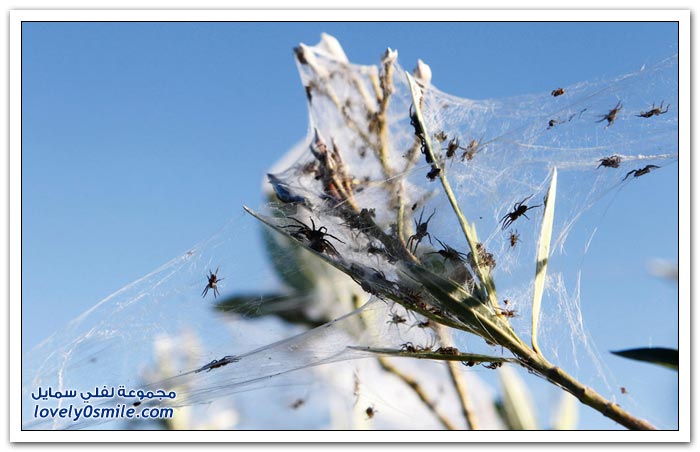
(141, 139)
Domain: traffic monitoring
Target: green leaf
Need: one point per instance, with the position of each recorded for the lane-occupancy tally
(666, 357)
(566, 415)
(518, 409)
(286, 307)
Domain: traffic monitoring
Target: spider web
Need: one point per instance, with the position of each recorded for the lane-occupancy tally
(301, 337)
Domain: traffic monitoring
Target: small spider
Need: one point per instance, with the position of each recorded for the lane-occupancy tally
(519, 210)
(409, 347)
(449, 253)
(297, 403)
(508, 313)
(396, 319)
(552, 123)
(433, 173)
(470, 150)
(486, 259)
(212, 279)
(316, 238)
(421, 231)
(441, 136)
(655, 111)
(558, 92)
(641, 172)
(469, 363)
(370, 411)
(610, 162)
(452, 147)
(447, 351)
(423, 324)
(493, 365)
(218, 363)
(623, 390)
(514, 238)
(612, 114)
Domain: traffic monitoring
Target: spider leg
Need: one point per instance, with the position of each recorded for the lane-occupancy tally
(216, 291)
(331, 235)
(206, 289)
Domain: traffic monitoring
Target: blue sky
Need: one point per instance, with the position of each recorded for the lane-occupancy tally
(141, 139)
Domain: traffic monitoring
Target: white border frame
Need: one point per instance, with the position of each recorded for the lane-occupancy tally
(15, 20)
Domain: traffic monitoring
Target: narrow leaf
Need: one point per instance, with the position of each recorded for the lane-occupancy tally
(543, 257)
(286, 307)
(566, 415)
(666, 357)
(517, 402)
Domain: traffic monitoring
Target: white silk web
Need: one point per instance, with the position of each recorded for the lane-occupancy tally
(294, 346)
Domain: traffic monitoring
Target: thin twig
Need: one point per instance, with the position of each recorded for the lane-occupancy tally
(416, 387)
(460, 385)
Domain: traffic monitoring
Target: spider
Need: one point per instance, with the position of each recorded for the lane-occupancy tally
(396, 319)
(508, 313)
(433, 173)
(423, 324)
(449, 253)
(558, 92)
(486, 259)
(610, 162)
(655, 111)
(421, 231)
(552, 123)
(447, 351)
(494, 365)
(370, 411)
(514, 238)
(297, 403)
(612, 114)
(641, 172)
(212, 279)
(441, 136)
(218, 363)
(519, 210)
(452, 147)
(316, 238)
(471, 150)
(623, 390)
(409, 347)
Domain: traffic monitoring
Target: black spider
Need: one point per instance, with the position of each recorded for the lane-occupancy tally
(449, 253)
(655, 111)
(315, 238)
(610, 162)
(421, 231)
(212, 279)
(641, 172)
(519, 210)
(218, 363)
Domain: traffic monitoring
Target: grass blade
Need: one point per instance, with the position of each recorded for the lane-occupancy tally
(665, 357)
(543, 257)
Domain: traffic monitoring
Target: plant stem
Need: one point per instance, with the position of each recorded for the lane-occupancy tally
(459, 384)
(416, 387)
